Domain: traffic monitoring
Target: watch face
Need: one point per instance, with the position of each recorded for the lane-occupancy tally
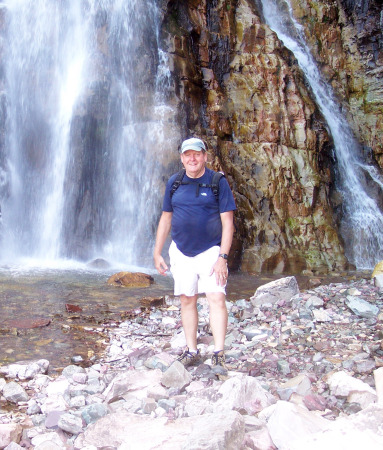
(223, 255)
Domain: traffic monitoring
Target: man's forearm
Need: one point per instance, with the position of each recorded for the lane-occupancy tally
(163, 230)
(227, 231)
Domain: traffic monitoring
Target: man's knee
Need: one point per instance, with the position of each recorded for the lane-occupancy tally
(188, 300)
(217, 299)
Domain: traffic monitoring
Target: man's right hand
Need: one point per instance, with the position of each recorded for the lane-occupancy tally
(160, 265)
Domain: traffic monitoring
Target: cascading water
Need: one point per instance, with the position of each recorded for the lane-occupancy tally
(363, 220)
(82, 134)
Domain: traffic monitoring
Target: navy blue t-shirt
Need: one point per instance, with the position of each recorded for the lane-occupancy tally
(196, 221)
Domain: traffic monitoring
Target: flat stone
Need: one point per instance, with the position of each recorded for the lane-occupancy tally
(361, 307)
(28, 323)
(72, 308)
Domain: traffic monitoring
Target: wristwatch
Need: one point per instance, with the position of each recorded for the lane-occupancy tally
(223, 255)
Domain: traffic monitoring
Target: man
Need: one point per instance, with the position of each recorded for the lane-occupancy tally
(202, 232)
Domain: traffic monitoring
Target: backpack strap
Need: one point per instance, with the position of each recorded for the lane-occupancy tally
(177, 182)
(214, 183)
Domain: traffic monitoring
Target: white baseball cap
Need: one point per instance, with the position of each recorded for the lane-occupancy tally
(193, 144)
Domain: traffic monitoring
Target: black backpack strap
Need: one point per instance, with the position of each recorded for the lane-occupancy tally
(177, 181)
(215, 183)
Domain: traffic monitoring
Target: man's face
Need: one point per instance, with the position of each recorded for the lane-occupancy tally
(194, 163)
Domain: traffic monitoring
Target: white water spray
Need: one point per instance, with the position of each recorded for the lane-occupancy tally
(80, 166)
(363, 220)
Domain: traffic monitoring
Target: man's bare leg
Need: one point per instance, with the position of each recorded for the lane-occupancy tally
(218, 318)
(189, 317)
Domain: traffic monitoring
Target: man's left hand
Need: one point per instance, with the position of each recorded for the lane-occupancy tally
(220, 270)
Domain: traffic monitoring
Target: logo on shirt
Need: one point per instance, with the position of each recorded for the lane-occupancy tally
(204, 194)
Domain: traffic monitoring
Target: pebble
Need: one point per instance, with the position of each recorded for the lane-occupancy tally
(318, 350)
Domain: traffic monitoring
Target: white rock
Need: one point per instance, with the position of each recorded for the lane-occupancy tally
(363, 399)
(282, 289)
(54, 403)
(290, 422)
(178, 340)
(51, 438)
(176, 376)
(300, 385)
(9, 432)
(358, 431)
(120, 430)
(378, 376)
(361, 307)
(15, 393)
(378, 280)
(70, 423)
(243, 393)
(132, 381)
(321, 315)
(341, 384)
(197, 406)
(58, 387)
(14, 446)
(217, 431)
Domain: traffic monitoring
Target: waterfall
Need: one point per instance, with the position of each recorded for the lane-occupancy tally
(83, 114)
(362, 224)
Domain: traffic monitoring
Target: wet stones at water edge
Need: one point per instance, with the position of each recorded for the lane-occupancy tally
(130, 279)
(26, 323)
(303, 371)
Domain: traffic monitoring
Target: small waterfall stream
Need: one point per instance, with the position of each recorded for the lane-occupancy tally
(82, 89)
(362, 224)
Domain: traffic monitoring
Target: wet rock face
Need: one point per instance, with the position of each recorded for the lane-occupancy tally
(238, 87)
(346, 39)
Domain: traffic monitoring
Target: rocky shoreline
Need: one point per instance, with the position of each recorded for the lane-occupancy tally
(305, 371)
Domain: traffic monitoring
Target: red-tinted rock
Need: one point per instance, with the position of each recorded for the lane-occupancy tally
(72, 308)
(315, 402)
(28, 323)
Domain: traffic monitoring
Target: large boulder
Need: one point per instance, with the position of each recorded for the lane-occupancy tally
(130, 279)
(282, 289)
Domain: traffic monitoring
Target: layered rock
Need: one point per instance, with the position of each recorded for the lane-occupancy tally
(346, 39)
(238, 87)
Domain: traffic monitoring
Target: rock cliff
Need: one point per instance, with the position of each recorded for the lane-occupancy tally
(346, 38)
(237, 86)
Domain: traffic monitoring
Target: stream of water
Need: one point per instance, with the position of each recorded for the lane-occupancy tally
(362, 220)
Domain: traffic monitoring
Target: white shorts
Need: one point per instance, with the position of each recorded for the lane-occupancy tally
(192, 273)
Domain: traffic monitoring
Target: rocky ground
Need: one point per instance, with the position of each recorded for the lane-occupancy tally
(305, 372)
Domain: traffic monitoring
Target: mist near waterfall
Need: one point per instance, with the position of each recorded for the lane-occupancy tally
(83, 113)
